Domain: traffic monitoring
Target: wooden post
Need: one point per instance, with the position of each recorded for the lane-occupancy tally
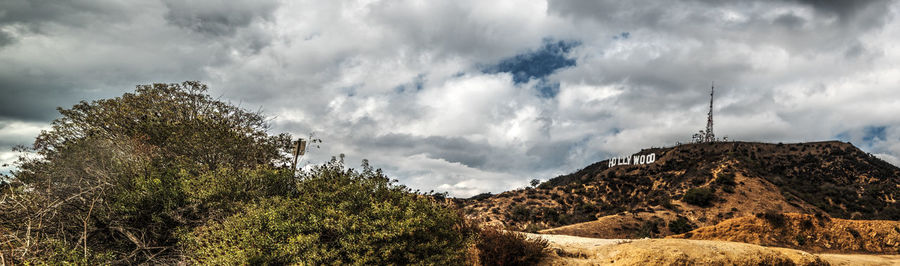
(299, 150)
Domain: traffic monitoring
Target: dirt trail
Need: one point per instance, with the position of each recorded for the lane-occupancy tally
(572, 250)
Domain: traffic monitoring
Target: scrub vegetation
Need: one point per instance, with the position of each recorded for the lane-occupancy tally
(169, 175)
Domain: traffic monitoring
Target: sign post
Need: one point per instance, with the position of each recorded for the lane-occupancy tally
(299, 150)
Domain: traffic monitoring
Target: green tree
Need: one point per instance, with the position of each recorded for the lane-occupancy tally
(120, 176)
(535, 183)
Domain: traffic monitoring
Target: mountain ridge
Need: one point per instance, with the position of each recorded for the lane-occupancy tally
(700, 184)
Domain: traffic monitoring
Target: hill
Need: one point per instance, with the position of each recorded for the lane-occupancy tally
(571, 250)
(806, 232)
(695, 185)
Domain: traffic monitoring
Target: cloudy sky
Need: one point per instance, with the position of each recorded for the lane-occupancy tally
(475, 96)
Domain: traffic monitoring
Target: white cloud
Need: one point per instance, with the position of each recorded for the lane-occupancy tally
(401, 82)
(14, 133)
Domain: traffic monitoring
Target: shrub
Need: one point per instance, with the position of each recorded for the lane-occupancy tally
(853, 232)
(726, 180)
(728, 189)
(649, 228)
(338, 216)
(777, 220)
(503, 247)
(801, 240)
(533, 228)
(481, 196)
(680, 225)
(702, 197)
(519, 213)
(806, 224)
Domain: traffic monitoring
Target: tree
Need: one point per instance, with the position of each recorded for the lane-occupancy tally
(116, 178)
(535, 182)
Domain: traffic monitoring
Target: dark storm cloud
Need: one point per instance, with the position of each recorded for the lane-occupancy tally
(5, 39)
(39, 106)
(216, 17)
(844, 9)
(96, 49)
(709, 19)
(34, 13)
(790, 21)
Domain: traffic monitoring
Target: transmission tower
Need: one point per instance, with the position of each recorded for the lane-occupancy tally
(706, 136)
(709, 136)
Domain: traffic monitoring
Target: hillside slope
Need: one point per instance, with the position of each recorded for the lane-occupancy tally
(570, 250)
(806, 232)
(722, 180)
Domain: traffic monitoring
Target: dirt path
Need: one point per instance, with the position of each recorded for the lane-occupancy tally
(572, 250)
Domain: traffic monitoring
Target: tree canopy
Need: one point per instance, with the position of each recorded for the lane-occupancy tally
(118, 177)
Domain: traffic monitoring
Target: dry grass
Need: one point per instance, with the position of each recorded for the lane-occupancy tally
(571, 250)
(807, 232)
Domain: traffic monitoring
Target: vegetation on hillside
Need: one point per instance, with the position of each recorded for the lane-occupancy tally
(829, 177)
(169, 175)
(807, 232)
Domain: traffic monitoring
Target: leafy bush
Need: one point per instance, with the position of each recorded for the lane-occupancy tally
(776, 219)
(649, 228)
(533, 228)
(725, 179)
(481, 196)
(520, 213)
(680, 225)
(337, 216)
(801, 240)
(806, 224)
(853, 232)
(502, 247)
(702, 197)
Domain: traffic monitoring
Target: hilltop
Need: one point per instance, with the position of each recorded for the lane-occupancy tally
(696, 185)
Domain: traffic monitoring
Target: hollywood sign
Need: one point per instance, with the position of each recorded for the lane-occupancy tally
(635, 160)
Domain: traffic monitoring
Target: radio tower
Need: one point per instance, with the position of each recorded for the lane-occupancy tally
(709, 136)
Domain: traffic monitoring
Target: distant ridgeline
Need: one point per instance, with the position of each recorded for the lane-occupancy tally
(634, 159)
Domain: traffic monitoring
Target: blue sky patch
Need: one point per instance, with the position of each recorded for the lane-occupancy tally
(538, 64)
(866, 136)
(548, 89)
(843, 136)
(418, 83)
(872, 133)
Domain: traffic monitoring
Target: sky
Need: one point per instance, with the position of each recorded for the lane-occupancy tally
(472, 96)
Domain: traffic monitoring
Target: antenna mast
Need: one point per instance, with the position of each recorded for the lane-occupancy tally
(709, 136)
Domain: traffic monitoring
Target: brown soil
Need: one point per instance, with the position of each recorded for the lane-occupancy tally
(806, 232)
